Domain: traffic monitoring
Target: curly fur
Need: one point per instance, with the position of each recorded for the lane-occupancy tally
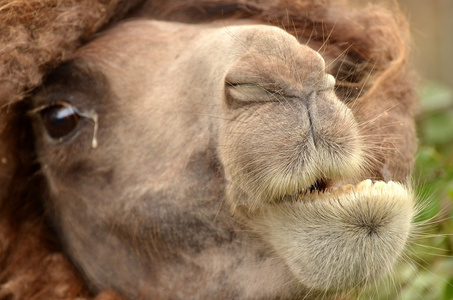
(36, 35)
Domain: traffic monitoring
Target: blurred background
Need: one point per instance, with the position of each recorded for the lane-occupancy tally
(427, 273)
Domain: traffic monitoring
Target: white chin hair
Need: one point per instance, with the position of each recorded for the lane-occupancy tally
(340, 239)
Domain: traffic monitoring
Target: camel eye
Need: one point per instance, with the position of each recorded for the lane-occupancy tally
(60, 119)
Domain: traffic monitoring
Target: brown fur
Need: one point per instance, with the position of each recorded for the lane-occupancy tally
(372, 50)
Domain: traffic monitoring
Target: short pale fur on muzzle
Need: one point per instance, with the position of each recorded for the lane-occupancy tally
(293, 187)
(340, 239)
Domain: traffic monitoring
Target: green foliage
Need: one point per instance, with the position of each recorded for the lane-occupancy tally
(427, 273)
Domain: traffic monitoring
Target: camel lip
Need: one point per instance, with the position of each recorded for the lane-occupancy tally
(362, 227)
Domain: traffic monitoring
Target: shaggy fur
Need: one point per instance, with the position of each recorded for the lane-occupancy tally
(35, 36)
(371, 44)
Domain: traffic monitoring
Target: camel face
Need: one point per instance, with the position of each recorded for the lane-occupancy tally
(219, 159)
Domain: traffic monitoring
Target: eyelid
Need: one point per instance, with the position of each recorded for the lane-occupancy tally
(40, 108)
(253, 92)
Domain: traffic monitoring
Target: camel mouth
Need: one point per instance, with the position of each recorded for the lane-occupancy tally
(348, 235)
(321, 185)
(326, 188)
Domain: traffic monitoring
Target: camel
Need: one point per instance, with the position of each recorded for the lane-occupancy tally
(205, 149)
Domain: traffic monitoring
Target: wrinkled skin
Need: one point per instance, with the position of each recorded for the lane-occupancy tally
(216, 160)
